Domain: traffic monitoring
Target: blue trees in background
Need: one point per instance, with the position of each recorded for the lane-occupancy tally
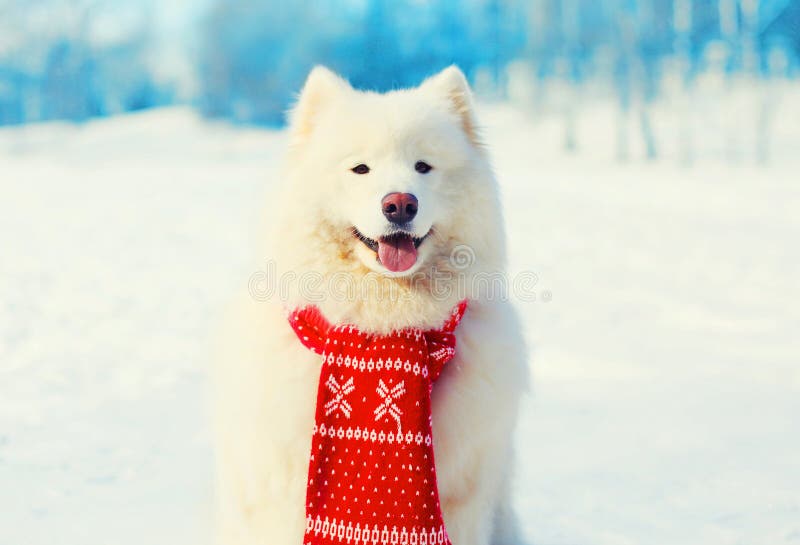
(680, 51)
(256, 53)
(74, 59)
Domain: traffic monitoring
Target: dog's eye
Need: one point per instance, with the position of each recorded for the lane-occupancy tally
(360, 169)
(422, 167)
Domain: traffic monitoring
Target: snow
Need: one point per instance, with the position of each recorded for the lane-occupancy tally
(665, 357)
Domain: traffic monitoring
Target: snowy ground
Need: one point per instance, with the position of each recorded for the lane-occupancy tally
(666, 403)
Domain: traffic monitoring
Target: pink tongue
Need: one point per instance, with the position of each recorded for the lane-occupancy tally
(397, 253)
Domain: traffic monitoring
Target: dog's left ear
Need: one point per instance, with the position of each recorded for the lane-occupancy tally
(452, 85)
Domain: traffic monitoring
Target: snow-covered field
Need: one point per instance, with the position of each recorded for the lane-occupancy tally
(666, 401)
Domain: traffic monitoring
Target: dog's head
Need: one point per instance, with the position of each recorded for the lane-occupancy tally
(389, 183)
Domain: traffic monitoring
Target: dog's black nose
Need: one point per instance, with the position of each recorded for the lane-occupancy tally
(399, 207)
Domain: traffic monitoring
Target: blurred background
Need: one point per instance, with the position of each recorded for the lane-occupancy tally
(244, 60)
(647, 152)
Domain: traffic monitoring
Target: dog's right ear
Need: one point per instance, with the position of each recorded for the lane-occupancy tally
(322, 87)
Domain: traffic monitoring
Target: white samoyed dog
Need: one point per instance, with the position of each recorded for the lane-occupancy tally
(389, 217)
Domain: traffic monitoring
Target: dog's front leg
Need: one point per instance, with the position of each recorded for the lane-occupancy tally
(471, 505)
(476, 403)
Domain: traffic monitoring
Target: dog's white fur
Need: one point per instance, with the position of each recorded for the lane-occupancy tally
(266, 382)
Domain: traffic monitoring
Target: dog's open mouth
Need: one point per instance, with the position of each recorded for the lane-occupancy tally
(397, 252)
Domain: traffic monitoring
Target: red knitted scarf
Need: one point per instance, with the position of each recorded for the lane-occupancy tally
(371, 477)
